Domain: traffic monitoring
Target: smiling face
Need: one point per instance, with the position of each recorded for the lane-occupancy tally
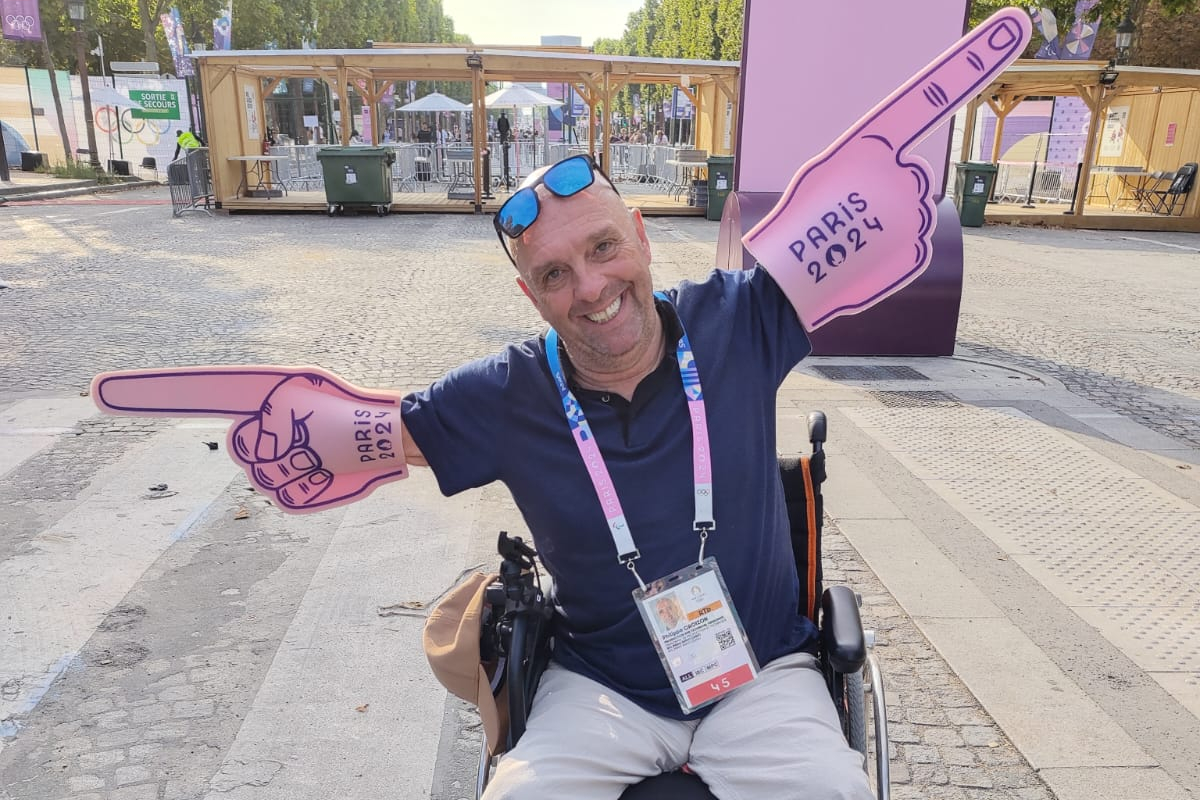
(585, 264)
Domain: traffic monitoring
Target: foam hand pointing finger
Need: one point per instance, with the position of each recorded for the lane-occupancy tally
(855, 223)
(305, 437)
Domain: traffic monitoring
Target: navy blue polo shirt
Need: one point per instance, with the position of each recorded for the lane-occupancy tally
(501, 418)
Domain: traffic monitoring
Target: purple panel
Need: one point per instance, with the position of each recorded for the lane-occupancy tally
(1016, 128)
(1068, 130)
(21, 20)
(919, 320)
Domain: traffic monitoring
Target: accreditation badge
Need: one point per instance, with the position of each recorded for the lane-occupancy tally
(697, 634)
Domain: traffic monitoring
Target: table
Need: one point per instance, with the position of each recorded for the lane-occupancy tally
(1143, 183)
(683, 172)
(259, 170)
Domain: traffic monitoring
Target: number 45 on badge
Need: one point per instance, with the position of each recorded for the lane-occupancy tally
(855, 223)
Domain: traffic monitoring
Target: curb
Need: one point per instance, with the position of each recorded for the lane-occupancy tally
(91, 188)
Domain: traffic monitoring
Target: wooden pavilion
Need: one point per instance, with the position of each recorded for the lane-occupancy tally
(1161, 133)
(236, 82)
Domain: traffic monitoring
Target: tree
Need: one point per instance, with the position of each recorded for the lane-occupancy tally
(1162, 15)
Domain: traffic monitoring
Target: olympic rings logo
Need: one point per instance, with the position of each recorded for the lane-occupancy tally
(19, 22)
(148, 131)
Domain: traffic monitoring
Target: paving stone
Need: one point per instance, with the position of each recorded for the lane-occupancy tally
(144, 791)
(111, 739)
(105, 758)
(96, 706)
(153, 713)
(132, 774)
(145, 752)
(191, 709)
(83, 783)
(173, 693)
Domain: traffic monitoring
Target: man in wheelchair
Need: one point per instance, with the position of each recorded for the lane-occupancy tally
(638, 440)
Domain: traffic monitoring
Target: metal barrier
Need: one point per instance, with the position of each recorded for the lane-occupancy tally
(301, 171)
(1018, 182)
(190, 182)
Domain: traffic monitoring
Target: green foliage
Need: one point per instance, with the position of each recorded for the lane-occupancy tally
(80, 170)
(1111, 12)
(132, 31)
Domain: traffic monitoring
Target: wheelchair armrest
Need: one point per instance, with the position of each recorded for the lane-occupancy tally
(842, 640)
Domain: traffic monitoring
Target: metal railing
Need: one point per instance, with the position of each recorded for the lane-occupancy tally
(1020, 182)
(190, 182)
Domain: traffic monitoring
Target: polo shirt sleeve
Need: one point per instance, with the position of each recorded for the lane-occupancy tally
(749, 316)
(460, 423)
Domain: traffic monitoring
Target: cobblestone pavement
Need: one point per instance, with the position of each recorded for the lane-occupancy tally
(1114, 316)
(151, 705)
(943, 746)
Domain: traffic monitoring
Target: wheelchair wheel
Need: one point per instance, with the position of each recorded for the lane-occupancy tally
(856, 714)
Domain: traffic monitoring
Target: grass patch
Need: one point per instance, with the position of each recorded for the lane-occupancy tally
(79, 170)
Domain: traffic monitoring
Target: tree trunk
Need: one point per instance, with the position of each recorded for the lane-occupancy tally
(62, 122)
(149, 25)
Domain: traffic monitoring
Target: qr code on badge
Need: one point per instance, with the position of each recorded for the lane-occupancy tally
(726, 639)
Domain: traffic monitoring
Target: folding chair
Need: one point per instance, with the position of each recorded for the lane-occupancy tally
(150, 163)
(1165, 201)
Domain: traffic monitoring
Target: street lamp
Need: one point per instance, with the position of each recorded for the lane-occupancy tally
(77, 10)
(1125, 33)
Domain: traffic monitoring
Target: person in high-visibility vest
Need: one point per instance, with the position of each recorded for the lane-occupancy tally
(186, 140)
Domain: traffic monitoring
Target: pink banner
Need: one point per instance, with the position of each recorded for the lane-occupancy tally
(21, 20)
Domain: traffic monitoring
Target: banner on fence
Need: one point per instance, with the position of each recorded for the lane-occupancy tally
(21, 20)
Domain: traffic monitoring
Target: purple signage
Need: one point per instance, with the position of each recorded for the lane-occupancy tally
(173, 30)
(21, 20)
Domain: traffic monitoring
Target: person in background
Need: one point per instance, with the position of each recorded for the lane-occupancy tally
(186, 140)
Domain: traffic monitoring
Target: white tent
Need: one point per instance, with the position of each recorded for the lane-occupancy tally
(517, 96)
(435, 102)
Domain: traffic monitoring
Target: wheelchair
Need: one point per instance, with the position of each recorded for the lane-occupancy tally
(514, 636)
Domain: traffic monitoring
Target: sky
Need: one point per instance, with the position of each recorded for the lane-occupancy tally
(527, 21)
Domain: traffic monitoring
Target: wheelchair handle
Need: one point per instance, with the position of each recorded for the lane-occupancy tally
(816, 430)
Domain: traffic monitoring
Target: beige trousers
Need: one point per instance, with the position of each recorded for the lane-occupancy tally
(774, 739)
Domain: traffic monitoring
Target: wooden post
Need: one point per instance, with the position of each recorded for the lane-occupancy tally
(1096, 101)
(607, 128)
(343, 91)
(969, 129)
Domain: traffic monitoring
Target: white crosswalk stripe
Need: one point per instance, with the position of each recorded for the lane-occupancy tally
(337, 649)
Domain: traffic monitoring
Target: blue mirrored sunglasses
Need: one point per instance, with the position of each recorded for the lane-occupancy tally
(568, 177)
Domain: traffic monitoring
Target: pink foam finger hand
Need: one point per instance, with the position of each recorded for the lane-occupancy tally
(324, 490)
(187, 391)
(308, 439)
(856, 221)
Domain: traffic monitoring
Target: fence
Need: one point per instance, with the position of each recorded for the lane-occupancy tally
(418, 167)
(1017, 182)
(190, 182)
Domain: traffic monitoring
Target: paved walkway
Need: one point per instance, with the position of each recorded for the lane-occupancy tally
(1023, 520)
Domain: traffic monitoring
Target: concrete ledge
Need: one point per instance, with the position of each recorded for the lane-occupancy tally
(87, 187)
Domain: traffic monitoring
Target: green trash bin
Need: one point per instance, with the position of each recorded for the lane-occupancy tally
(720, 184)
(972, 188)
(357, 177)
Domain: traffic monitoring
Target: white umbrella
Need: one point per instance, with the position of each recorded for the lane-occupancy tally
(517, 96)
(104, 96)
(434, 101)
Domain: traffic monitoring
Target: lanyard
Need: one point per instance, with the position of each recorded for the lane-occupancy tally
(581, 432)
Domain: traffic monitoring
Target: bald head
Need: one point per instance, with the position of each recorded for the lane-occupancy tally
(598, 203)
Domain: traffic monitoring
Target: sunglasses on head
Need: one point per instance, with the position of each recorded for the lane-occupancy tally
(566, 178)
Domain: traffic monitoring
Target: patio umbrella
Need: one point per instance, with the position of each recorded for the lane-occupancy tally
(434, 102)
(517, 96)
(104, 96)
